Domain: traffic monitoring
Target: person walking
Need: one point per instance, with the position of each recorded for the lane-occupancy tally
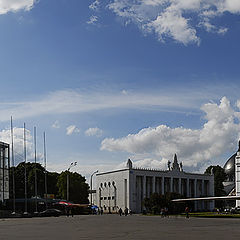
(120, 212)
(187, 212)
(126, 211)
(67, 212)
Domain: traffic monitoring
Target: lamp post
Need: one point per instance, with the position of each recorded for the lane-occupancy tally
(91, 184)
(71, 165)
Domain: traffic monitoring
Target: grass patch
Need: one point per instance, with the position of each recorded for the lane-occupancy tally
(201, 214)
(213, 215)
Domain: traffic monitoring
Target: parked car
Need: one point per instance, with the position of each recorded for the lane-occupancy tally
(51, 212)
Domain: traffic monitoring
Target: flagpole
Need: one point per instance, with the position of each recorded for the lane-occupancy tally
(13, 171)
(25, 167)
(35, 158)
(45, 165)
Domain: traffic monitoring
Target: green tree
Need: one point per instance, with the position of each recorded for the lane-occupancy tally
(219, 177)
(19, 173)
(52, 178)
(156, 202)
(78, 188)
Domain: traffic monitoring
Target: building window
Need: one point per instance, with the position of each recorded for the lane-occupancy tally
(101, 185)
(101, 198)
(109, 184)
(105, 198)
(109, 198)
(105, 184)
(113, 197)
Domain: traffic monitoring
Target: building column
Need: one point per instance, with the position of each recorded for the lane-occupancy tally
(195, 194)
(195, 187)
(237, 176)
(99, 196)
(202, 182)
(153, 184)
(171, 184)
(188, 192)
(115, 198)
(162, 187)
(144, 187)
(179, 186)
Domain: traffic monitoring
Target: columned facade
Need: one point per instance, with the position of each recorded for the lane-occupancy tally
(128, 187)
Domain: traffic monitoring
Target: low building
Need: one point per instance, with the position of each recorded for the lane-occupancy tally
(4, 171)
(129, 186)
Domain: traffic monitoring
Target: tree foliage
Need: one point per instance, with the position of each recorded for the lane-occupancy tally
(78, 188)
(56, 183)
(156, 202)
(19, 174)
(219, 177)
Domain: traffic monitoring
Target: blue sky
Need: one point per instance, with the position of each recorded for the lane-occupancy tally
(109, 80)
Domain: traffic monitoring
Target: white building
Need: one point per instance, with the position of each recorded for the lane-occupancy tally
(4, 171)
(129, 186)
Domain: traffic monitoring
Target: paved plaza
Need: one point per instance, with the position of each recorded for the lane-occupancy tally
(116, 227)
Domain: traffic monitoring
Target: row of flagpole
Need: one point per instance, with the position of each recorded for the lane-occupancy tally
(25, 168)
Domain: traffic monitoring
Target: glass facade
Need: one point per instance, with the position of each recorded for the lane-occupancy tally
(4, 171)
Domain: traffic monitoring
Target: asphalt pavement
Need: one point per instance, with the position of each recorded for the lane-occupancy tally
(116, 227)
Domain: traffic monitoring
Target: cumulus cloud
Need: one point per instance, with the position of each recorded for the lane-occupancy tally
(56, 124)
(15, 5)
(93, 20)
(222, 30)
(95, 5)
(171, 23)
(194, 146)
(94, 132)
(176, 19)
(72, 129)
(5, 136)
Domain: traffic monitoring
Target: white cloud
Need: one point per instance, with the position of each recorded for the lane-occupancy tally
(94, 132)
(93, 20)
(15, 5)
(222, 30)
(83, 169)
(177, 19)
(69, 101)
(232, 6)
(194, 147)
(124, 92)
(5, 136)
(95, 5)
(172, 24)
(75, 101)
(56, 124)
(72, 129)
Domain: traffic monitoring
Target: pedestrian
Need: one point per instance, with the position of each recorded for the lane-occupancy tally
(187, 212)
(67, 212)
(166, 212)
(126, 211)
(120, 212)
(162, 212)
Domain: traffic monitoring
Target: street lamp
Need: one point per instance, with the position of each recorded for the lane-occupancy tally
(91, 184)
(71, 165)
